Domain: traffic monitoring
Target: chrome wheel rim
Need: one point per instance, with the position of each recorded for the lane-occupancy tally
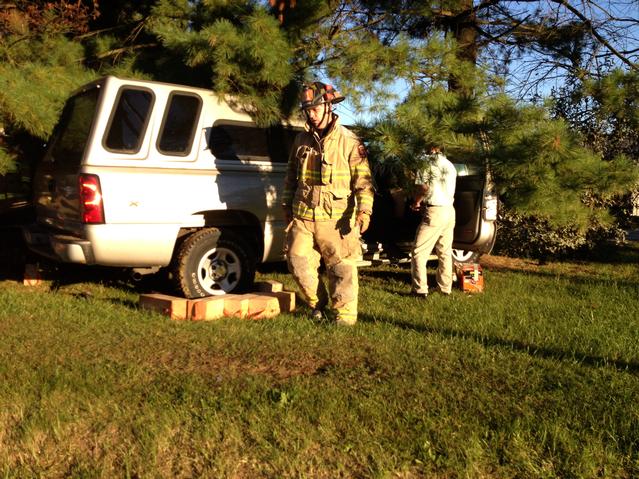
(462, 255)
(219, 271)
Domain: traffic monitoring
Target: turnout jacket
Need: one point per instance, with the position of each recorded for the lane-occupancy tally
(328, 178)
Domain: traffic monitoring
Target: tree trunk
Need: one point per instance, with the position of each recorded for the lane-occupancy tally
(463, 26)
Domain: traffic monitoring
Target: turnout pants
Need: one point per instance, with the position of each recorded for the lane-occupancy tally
(435, 231)
(338, 245)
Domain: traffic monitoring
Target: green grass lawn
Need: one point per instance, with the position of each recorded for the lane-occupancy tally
(536, 377)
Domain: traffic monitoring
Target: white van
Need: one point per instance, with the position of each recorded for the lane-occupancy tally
(145, 175)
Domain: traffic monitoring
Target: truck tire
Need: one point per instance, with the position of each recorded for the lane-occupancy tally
(213, 262)
(465, 256)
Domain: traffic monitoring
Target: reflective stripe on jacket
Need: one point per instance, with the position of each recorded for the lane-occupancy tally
(328, 178)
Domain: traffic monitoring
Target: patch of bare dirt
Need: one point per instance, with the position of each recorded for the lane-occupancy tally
(563, 268)
(278, 368)
(505, 263)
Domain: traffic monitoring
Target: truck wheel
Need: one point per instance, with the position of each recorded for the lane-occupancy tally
(465, 256)
(213, 262)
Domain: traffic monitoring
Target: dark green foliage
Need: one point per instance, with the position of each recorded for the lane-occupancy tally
(539, 164)
(240, 43)
(605, 113)
(39, 68)
(528, 236)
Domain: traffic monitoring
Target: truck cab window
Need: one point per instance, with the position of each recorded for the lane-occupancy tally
(238, 141)
(280, 141)
(231, 140)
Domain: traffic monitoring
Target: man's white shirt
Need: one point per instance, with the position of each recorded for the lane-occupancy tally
(440, 176)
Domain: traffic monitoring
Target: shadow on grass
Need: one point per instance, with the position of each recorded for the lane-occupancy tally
(571, 273)
(613, 255)
(627, 253)
(276, 267)
(517, 346)
(110, 278)
(13, 253)
(398, 273)
(574, 276)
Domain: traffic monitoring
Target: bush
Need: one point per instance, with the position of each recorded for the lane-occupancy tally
(534, 237)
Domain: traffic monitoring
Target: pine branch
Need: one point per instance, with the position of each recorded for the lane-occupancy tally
(115, 28)
(516, 26)
(118, 51)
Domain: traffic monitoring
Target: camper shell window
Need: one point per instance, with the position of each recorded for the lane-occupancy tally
(179, 124)
(129, 120)
(72, 132)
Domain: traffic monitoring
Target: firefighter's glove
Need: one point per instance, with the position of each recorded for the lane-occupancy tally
(363, 220)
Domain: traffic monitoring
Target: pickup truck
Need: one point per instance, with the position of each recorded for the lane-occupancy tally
(148, 176)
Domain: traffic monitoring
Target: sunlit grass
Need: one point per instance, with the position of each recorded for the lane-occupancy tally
(535, 377)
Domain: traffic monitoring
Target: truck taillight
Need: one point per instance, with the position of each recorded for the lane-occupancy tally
(91, 199)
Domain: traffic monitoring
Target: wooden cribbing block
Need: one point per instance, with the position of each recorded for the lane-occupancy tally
(262, 306)
(171, 306)
(286, 300)
(202, 309)
(236, 305)
(268, 286)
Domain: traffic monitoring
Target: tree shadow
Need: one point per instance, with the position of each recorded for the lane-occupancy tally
(514, 345)
(575, 276)
(274, 267)
(64, 275)
(613, 254)
(627, 253)
(402, 274)
(14, 254)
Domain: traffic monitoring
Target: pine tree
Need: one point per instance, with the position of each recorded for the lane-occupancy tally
(257, 51)
(240, 45)
(39, 67)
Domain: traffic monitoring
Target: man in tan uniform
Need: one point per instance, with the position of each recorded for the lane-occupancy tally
(328, 200)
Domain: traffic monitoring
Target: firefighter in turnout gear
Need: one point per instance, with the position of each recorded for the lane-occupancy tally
(328, 200)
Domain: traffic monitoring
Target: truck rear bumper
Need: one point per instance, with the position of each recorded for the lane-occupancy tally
(106, 245)
(68, 249)
(72, 250)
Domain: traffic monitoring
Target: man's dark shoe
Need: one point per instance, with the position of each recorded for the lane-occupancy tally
(419, 295)
(317, 314)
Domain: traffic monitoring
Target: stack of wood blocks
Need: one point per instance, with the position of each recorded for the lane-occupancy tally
(267, 301)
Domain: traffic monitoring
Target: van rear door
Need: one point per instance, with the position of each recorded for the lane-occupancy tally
(56, 184)
(468, 205)
(476, 213)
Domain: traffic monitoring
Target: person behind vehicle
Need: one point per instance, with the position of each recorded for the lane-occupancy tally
(327, 200)
(436, 188)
